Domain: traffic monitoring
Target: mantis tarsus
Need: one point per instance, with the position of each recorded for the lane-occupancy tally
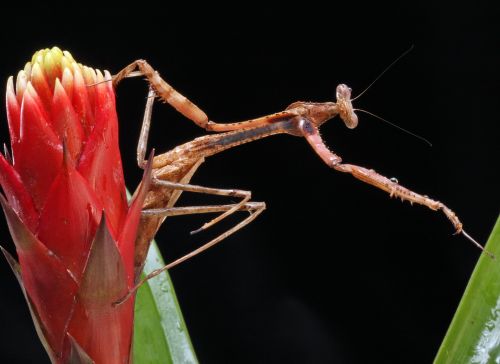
(173, 169)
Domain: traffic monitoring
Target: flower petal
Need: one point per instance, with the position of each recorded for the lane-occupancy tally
(41, 85)
(13, 111)
(100, 163)
(126, 241)
(69, 219)
(50, 287)
(81, 101)
(16, 194)
(52, 66)
(90, 81)
(67, 81)
(104, 330)
(65, 121)
(21, 83)
(38, 155)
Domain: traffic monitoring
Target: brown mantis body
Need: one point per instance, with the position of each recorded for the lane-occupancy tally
(173, 169)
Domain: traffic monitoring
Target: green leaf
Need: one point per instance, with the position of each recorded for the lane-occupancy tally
(474, 333)
(160, 333)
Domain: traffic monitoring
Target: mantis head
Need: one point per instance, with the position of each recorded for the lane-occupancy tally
(344, 104)
(320, 112)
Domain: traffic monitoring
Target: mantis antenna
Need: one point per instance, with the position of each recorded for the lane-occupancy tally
(397, 126)
(384, 71)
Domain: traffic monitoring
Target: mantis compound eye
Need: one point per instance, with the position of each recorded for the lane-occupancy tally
(343, 92)
(352, 120)
(346, 110)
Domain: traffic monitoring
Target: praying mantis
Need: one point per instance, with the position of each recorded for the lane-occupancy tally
(172, 171)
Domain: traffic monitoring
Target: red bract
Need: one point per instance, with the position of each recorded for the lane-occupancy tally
(66, 208)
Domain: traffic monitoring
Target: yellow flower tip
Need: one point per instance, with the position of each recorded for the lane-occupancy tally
(38, 57)
(52, 61)
(68, 56)
(34, 57)
(100, 77)
(30, 90)
(57, 51)
(55, 64)
(67, 81)
(76, 68)
(21, 82)
(89, 75)
(66, 64)
(10, 87)
(36, 72)
(10, 84)
(27, 69)
(77, 74)
(50, 65)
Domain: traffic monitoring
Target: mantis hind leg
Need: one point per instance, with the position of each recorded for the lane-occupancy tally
(255, 209)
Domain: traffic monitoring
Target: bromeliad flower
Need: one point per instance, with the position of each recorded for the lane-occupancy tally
(67, 211)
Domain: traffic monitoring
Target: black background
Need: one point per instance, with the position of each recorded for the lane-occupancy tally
(334, 271)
